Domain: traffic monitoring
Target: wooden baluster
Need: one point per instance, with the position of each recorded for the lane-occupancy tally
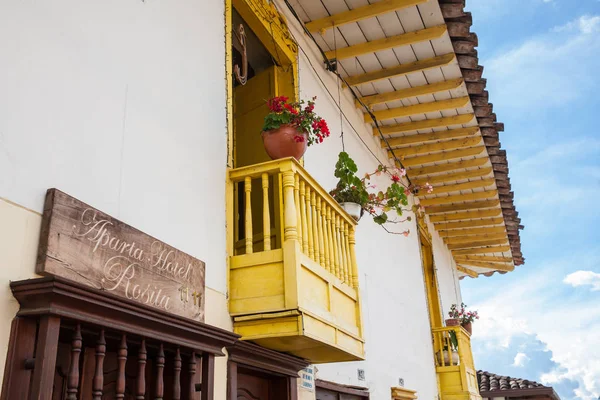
(159, 388)
(248, 216)
(266, 213)
(290, 215)
(330, 242)
(297, 203)
(352, 241)
(73, 375)
(343, 254)
(98, 381)
(177, 376)
(319, 229)
(335, 222)
(347, 228)
(192, 370)
(310, 210)
(122, 360)
(328, 262)
(303, 217)
(141, 376)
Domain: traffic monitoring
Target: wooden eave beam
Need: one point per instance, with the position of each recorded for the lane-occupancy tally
(477, 238)
(360, 13)
(403, 69)
(490, 265)
(440, 146)
(463, 186)
(482, 250)
(465, 215)
(479, 243)
(484, 259)
(462, 206)
(434, 106)
(472, 231)
(458, 198)
(425, 124)
(369, 101)
(446, 155)
(469, 224)
(446, 167)
(467, 271)
(431, 137)
(455, 176)
(404, 39)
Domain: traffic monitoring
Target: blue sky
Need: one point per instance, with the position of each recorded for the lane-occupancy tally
(542, 322)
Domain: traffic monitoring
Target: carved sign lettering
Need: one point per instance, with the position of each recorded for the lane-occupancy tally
(85, 245)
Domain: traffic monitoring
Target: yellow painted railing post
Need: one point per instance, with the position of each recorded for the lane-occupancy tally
(290, 220)
(344, 252)
(310, 210)
(297, 201)
(335, 222)
(303, 217)
(248, 214)
(321, 240)
(330, 242)
(352, 241)
(266, 213)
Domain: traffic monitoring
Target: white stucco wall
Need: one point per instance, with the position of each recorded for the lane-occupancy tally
(121, 103)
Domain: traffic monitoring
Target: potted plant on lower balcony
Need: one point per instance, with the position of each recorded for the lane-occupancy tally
(449, 355)
(460, 316)
(290, 127)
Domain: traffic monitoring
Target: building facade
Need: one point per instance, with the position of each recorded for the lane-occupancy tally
(135, 109)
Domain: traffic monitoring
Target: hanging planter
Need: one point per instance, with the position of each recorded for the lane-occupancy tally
(291, 127)
(353, 193)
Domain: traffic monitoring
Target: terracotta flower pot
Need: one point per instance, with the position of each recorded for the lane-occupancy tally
(452, 322)
(283, 142)
(468, 327)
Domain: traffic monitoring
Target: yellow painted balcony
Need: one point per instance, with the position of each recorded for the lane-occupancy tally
(457, 376)
(293, 276)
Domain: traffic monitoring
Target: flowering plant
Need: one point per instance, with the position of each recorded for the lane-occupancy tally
(462, 314)
(300, 115)
(351, 188)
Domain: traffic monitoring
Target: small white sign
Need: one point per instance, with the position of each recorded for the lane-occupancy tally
(307, 379)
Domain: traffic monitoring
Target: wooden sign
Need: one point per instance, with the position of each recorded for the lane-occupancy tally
(85, 245)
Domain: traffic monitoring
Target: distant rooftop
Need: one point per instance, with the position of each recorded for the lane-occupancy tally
(492, 385)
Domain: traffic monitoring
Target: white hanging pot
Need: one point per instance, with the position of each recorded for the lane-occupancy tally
(446, 356)
(353, 209)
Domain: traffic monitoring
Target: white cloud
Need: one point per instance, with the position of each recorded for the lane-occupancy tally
(586, 24)
(584, 278)
(520, 360)
(569, 327)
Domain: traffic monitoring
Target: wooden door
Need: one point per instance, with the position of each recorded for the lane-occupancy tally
(254, 385)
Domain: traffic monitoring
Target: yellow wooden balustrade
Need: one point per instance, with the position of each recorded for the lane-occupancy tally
(457, 377)
(293, 275)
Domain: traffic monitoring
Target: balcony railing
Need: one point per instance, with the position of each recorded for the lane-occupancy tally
(294, 272)
(457, 375)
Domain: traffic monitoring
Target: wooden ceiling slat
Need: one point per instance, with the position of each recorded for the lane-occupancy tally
(462, 186)
(462, 206)
(482, 250)
(477, 238)
(446, 155)
(405, 39)
(360, 13)
(423, 108)
(400, 70)
(465, 215)
(484, 258)
(439, 146)
(459, 198)
(455, 176)
(479, 243)
(469, 224)
(430, 137)
(426, 124)
(401, 94)
(434, 169)
(472, 231)
(467, 271)
(490, 265)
